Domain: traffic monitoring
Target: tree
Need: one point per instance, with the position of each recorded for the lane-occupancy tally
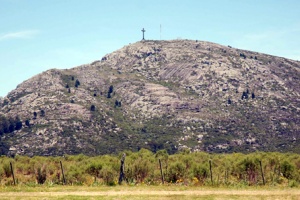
(245, 95)
(18, 124)
(111, 89)
(4, 148)
(11, 127)
(118, 103)
(42, 113)
(77, 83)
(34, 115)
(27, 122)
(93, 108)
(67, 86)
(253, 95)
(243, 55)
(229, 101)
(3, 125)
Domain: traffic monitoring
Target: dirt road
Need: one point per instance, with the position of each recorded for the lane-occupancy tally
(220, 194)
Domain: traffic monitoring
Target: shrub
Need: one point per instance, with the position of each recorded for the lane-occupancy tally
(248, 168)
(6, 169)
(34, 115)
(18, 125)
(176, 172)
(245, 95)
(200, 172)
(42, 113)
(287, 169)
(108, 175)
(229, 101)
(77, 83)
(94, 169)
(27, 122)
(111, 89)
(118, 103)
(41, 174)
(75, 175)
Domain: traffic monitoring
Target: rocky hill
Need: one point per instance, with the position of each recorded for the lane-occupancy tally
(158, 95)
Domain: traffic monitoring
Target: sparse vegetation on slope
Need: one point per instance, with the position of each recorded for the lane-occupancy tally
(157, 95)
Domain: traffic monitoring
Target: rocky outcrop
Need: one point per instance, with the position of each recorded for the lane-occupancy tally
(160, 94)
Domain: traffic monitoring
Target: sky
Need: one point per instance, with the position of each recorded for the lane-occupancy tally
(38, 35)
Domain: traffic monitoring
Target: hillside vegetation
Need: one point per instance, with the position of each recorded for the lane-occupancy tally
(171, 95)
(185, 168)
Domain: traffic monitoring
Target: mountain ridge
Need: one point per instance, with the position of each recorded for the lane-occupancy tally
(159, 95)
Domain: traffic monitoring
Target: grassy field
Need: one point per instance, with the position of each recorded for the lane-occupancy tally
(146, 192)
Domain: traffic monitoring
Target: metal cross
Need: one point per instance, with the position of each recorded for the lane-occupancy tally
(143, 30)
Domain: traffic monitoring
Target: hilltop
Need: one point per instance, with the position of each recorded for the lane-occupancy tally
(158, 95)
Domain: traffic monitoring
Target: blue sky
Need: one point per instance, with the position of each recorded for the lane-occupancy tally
(37, 35)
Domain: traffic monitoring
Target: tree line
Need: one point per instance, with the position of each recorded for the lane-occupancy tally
(9, 125)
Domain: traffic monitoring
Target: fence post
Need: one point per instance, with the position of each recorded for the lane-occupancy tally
(122, 175)
(63, 174)
(226, 176)
(262, 173)
(12, 172)
(161, 172)
(211, 175)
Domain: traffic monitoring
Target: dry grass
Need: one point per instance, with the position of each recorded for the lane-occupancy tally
(146, 192)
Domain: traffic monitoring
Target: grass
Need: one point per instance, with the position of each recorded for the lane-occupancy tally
(145, 192)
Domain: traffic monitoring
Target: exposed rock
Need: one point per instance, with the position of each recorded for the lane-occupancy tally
(165, 95)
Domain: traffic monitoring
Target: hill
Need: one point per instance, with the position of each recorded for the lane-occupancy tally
(158, 95)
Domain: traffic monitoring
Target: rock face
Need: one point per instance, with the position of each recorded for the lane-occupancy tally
(158, 95)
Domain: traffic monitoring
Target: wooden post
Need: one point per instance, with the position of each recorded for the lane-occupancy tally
(211, 175)
(161, 172)
(62, 172)
(262, 173)
(226, 176)
(12, 172)
(122, 169)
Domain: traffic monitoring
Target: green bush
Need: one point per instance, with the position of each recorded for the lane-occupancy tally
(7, 169)
(41, 174)
(94, 169)
(176, 172)
(188, 168)
(108, 175)
(287, 169)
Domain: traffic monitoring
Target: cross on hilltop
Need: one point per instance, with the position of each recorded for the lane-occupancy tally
(143, 30)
